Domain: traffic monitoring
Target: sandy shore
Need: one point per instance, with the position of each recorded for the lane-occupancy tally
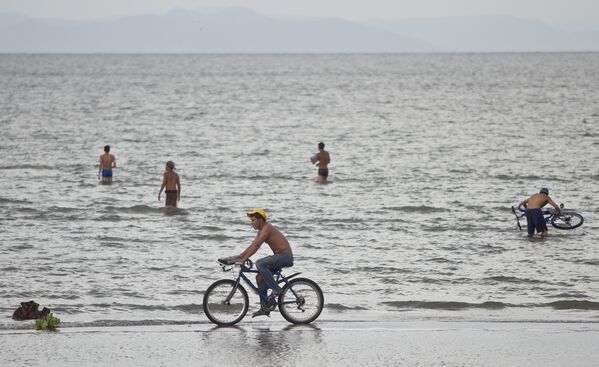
(343, 343)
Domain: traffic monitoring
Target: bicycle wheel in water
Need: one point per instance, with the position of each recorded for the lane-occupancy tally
(567, 220)
(218, 309)
(301, 301)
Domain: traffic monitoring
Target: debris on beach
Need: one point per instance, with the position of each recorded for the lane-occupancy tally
(50, 322)
(29, 311)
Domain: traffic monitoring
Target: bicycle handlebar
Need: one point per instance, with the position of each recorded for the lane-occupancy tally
(232, 261)
(247, 265)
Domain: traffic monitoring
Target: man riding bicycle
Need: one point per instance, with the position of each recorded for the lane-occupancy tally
(282, 257)
(534, 213)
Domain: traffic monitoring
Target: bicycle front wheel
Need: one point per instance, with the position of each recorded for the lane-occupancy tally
(301, 301)
(567, 220)
(222, 306)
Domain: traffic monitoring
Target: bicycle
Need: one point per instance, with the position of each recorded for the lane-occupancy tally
(566, 220)
(226, 301)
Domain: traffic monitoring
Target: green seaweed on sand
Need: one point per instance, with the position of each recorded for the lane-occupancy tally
(50, 322)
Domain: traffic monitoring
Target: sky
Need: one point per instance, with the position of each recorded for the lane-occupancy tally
(572, 15)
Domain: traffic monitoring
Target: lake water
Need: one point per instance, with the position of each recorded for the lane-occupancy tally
(428, 154)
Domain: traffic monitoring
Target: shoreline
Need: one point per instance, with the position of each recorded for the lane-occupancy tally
(28, 326)
(325, 343)
(385, 319)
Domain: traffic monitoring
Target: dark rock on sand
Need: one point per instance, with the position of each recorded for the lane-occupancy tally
(29, 311)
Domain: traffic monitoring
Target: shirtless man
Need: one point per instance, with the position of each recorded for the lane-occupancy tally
(534, 214)
(170, 180)
(282, 257)
(107, 163)
(322, 158)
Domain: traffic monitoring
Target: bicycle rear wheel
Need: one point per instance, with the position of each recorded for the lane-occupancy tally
(567, 220)
(218, 309)
(301, 301)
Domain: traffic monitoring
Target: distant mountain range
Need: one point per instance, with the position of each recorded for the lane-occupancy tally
(238, 30)
(491, 33)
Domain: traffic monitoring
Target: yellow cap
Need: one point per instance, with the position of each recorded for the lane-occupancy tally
(258, 211)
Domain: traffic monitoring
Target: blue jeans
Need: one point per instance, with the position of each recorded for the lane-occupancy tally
(266, 266)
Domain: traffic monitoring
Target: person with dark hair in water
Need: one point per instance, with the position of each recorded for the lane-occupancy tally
(282, 257)
(107, 163)
(170, 181)
(322, 158)
(534, 212)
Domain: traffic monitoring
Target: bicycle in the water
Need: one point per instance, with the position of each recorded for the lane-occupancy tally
(567, 219)
(226, 301)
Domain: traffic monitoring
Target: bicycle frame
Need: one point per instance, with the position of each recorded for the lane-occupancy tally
(278, 276)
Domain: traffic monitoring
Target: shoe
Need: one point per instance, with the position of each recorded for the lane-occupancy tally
(271, 300)
(261, 312)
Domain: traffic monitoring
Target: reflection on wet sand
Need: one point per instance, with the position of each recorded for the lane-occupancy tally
(264, 345)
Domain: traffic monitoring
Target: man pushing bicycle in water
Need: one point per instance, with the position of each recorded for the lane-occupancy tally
(534, 214)
(282, 257)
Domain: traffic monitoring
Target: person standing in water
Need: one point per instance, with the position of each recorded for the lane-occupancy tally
(322, 158)
(534, 213)
(170, 181)
(107, 163)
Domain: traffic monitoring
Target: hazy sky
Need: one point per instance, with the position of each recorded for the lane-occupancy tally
(564, 13)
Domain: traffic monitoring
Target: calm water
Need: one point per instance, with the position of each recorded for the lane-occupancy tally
(428, 154)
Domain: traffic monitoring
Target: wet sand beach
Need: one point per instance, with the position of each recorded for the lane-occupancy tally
(343, 343)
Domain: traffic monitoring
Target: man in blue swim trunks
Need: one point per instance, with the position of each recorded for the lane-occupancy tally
(534, 212)
(107, 163)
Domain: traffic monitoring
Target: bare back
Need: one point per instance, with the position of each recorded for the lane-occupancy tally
(324, 158)
(539, 201)
(269, 234)
(170, 180)
(107, 161)
(276, 240)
